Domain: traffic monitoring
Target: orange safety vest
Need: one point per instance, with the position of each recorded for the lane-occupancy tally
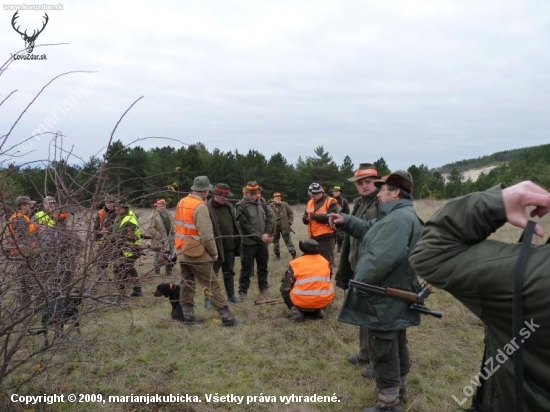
(184, 224)
(101, 217)
(314, 228)
(312, 288)
(31, 226)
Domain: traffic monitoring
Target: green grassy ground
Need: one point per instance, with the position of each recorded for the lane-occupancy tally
(141, 351)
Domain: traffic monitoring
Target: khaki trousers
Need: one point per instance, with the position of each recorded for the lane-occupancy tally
(195, 274)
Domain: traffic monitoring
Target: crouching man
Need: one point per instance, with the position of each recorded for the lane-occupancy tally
(306, 287)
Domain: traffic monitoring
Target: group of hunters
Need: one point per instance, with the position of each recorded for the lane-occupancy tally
(374, 238)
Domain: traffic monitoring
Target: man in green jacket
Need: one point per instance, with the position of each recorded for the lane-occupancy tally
(255, 223)
(284, 217)
(228, 242)
(364, 207)
(454, 254)
(384, 260)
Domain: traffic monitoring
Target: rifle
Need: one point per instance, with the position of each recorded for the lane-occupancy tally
(269, 301)
(416, 301)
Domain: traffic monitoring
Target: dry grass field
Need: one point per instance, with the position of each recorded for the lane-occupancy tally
(140, 351)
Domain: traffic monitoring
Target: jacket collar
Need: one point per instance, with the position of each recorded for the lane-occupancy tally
(386, 208)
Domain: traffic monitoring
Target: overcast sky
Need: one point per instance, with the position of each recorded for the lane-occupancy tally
(414, 82)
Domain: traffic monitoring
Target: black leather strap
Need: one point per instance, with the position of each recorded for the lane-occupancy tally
(517, 323)
(521, 265)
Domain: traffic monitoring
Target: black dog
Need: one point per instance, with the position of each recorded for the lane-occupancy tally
(172, 292)
(60, 313)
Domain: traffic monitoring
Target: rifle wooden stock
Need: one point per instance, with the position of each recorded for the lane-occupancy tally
(404, 295)
(416, 301)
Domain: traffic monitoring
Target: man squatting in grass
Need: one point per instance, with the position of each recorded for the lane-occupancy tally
(306, 287)
(455, 254)
(384, 260)
(196, 250)
(364, 207)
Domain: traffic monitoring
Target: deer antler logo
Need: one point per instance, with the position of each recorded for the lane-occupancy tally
(29, 40)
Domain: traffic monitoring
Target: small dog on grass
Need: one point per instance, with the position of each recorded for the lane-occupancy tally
(172, 292)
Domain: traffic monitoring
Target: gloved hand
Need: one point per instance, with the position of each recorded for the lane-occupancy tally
(305, 219)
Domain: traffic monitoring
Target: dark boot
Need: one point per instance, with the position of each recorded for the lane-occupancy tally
(358, 359)
(227, 317)
(368, 372)
(169, 270)
(388, 400)
(320, 313)
(136, 292)
(293, 254)
(189, 315)
(296, 314)
(384, 407)
(277, 257)
(229, 285)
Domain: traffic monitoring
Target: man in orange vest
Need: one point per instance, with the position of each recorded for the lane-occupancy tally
(316, 218)
(196, 249)
(103, 225)
(306, 287)
(23, 234)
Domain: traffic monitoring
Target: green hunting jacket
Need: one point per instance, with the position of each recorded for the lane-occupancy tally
(248, 223)
(366, 208)
(384, 261)
(455, 255)
(284, 217)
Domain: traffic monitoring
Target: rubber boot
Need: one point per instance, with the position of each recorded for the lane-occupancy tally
(368, 371)
(227, 317)
(293, 254)
(296, 314)
(229, 285)
(388, 400)
(189, 315)
(358, 359)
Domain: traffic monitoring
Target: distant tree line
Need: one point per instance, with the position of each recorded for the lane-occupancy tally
(166, 172)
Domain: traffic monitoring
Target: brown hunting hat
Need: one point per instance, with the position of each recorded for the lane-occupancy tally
(400, 178)
(221, 189)
(252, 187)
(277, 194)
(24, 200)
(365, 170)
